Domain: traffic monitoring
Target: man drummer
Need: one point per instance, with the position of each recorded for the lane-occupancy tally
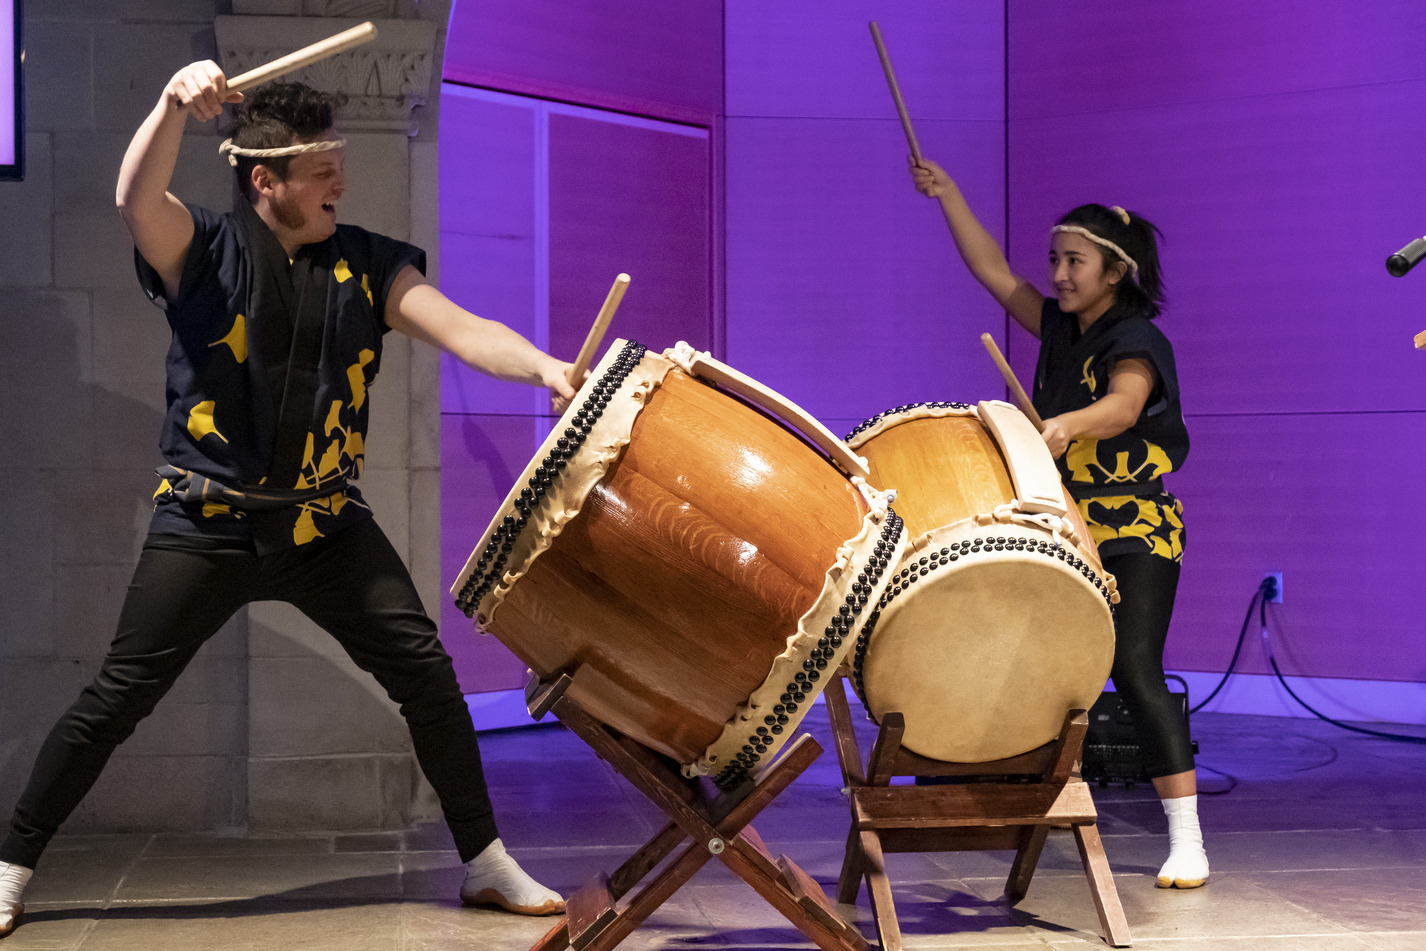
(277, 314)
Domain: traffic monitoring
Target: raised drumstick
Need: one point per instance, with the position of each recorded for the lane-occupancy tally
(1021, 400)
(901, 105)
(322, 49)
(596, 332)
(895, 92)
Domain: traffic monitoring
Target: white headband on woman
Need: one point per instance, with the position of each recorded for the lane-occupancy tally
(233, 151)
(1103, 242)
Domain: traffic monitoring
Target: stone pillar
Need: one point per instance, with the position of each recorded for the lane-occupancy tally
(326, 748)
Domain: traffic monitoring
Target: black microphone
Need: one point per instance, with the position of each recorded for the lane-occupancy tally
(1407, 258)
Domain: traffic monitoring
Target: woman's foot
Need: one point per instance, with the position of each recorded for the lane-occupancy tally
(1187, 865)
(493, 878)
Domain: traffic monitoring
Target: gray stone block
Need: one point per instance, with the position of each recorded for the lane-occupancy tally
(45, 359)
(163, 794)
(179, 729)
(26, 227)
(86, 166)
(319, 792)
(59, 77)
(86, 609)
(93, 251)
(131, 335)
(27, 616)
(100, 517)
(307, 707)
(132, 83)
(378, 194)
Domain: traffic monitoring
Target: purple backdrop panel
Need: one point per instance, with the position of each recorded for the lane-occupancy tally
(1328, 501)
(1279, 212)
(810, 58)
(495, 278)
(633, 196)
(481, 457)
(489, 167)
(490, 238)
(844, 290)
(641, 56)
(1086, 58)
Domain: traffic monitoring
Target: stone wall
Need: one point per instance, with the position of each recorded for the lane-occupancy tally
(272, 727)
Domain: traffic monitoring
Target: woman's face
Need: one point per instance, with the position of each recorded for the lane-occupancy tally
(1081, 283)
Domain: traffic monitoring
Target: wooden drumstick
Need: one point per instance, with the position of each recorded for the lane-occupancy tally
(1420, 340)
(901, 107)
(322, 49)
(596, 332)
(1021, 400)
(895, 93)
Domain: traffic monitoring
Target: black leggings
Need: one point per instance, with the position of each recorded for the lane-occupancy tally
(1147, 585)
(352, 584)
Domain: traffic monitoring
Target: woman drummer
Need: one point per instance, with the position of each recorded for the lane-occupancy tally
(1107, 389)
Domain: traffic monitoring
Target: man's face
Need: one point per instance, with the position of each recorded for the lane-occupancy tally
(304, 205)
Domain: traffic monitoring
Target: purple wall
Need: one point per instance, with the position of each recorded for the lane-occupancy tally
(645, 57)
(1277, 146)
(841, 294)
(1274, 143)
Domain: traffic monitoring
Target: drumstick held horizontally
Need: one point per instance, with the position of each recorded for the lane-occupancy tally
(596, 332)
(1021, 400)
(895, 92)
(322, 49)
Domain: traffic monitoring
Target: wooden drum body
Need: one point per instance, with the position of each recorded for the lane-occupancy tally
(998, 619)
(698, 562)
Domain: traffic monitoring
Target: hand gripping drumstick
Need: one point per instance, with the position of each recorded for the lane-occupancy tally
(322, 49)
(1021, 400)
(596, 332)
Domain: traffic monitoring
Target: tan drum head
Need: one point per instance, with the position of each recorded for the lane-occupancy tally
(985, 648)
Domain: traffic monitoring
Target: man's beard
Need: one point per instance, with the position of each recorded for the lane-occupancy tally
(289, 215)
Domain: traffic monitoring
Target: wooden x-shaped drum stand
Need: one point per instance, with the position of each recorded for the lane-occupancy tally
(976, 815)
(712, 824)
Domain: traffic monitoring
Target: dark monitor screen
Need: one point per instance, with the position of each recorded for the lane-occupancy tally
(12, 95)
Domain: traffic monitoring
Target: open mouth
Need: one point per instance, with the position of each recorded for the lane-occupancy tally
(329, 207)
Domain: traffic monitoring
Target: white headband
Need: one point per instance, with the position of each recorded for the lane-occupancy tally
(1103, 242)
(233, 151)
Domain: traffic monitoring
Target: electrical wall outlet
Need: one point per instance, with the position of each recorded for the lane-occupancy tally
(1276, 577)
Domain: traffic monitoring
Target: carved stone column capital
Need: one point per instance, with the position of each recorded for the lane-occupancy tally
(383, 81)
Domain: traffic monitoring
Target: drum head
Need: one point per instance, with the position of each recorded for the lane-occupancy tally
(984, 658)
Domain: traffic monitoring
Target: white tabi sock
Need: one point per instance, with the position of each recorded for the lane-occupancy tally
(13, 879)
(493, 878)
(1187, 865)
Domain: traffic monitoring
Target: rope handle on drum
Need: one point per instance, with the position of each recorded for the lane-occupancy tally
(704, 366)
(1011, 512)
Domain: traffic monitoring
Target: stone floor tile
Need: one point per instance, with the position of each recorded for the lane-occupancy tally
(193, 845)
(361, 876)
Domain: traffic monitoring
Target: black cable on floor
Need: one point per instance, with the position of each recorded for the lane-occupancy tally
(1399, 737)
(1259, 600)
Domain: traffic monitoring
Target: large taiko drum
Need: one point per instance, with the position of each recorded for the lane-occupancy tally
(679, 542)
(998, 619)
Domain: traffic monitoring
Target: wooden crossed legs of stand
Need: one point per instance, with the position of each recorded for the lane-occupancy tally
(710, 823)
(973, 816)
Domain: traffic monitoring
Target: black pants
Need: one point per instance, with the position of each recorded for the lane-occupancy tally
(352, 584)
(1147, 586)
